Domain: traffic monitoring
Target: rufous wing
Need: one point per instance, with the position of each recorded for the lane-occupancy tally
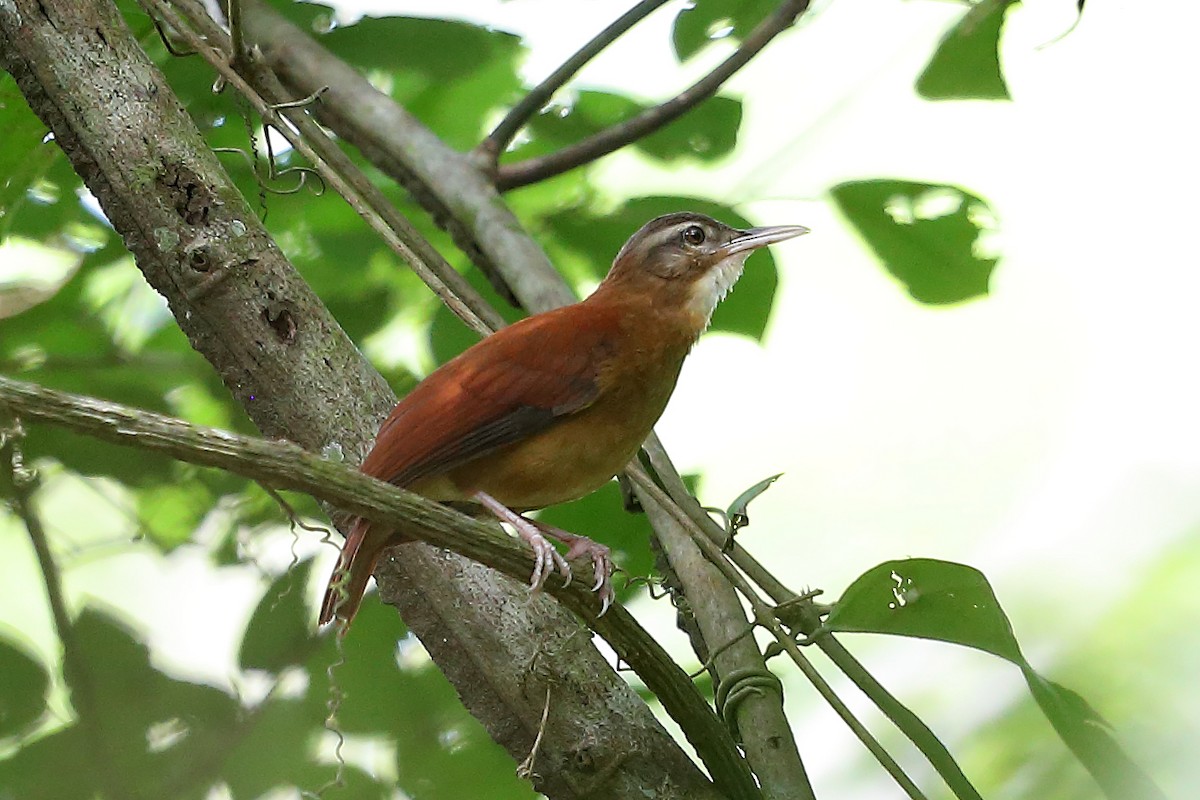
(510, 386)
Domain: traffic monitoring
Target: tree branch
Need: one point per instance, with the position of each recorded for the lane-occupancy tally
(459, 196)
(384, 131)
(218, 49)
(766, 734)
(538, 96)
(523, 173)
(283, 465)
(299, 377)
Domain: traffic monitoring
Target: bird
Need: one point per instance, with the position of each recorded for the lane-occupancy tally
(552, 407)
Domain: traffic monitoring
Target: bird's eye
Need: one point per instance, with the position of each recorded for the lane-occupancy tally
(693, 235)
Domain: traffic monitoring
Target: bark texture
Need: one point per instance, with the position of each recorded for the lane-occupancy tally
(299, 377)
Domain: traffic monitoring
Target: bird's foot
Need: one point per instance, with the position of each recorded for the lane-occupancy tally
(545, 558)
(601, 556)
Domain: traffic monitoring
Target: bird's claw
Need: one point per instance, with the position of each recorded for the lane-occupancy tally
(602, 566)
(545, 560)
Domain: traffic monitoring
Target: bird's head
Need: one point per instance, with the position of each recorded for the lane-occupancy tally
(689, 262)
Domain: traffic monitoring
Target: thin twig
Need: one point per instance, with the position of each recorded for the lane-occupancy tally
(523, 173)
(901, 716)
(237, 42)
(904, 719)
(447, 183)
(525, 768)
(764, 615)
(498, 140)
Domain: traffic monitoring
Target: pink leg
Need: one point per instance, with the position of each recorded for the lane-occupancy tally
(546, 558)
(601, 559)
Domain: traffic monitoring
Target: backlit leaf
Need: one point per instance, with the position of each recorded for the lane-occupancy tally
(282, 629)
(941, 600)
(930, 237)
(928, 599)
(966, 64)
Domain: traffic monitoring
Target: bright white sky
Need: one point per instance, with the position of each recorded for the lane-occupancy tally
(1046, 434)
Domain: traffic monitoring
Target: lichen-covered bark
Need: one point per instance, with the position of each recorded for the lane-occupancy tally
(299, 377)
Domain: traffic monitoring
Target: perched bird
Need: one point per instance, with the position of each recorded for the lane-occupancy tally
(549, 409)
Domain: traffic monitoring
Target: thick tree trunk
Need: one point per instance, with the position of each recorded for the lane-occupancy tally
(299, 377)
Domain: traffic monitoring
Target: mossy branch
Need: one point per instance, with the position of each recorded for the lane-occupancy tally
(283, 465)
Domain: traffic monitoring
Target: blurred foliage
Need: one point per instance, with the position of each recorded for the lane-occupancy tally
(700, 24)
(24, 158)
(152, 736)
(928, 236)
(22, 692)
(1005, 747)
(966, 64)
(707, 132)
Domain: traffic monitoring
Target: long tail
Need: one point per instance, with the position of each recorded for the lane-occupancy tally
(348, 582)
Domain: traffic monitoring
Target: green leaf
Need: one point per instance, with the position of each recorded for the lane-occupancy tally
(275, 750)
(927, 599)
(379, 693)
(150, 727)
(928, 236)
(700, 24)
(1091, 741)
(966, 64)
(442, 49)
(738, 513)
(42, 198)
(36, 771)
(590, 111)
(941, 600)
(171, 511)
(24, 158)
(22, 691)
(707, 132)
(390, 689)
(282, 629)
(448, 73)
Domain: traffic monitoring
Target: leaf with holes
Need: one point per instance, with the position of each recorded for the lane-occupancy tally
(935, 239)
(700, 24)
(927, 599)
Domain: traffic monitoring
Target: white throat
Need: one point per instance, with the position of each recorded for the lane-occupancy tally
(713, 286)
